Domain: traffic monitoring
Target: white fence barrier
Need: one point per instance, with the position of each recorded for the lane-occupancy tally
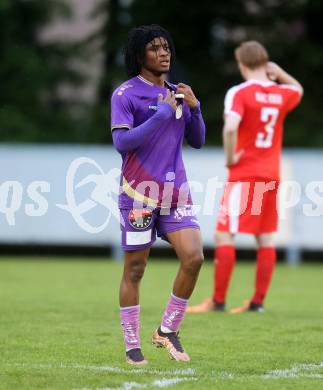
(66, 195)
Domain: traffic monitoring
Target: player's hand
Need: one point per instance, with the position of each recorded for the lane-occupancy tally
(234, 159)
(189, 96)
(273, 71)
(168, 99)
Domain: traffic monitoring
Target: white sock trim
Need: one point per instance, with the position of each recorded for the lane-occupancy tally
(127, 350)
(164, 329)
(180, 299)
(129, 307)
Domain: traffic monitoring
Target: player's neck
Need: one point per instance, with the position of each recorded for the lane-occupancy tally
(257, 74)
(153, 78)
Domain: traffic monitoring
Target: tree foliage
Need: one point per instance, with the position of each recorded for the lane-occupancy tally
(31, 73)
(205, 35)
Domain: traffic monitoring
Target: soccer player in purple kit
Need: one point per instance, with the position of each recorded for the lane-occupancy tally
(150, 118)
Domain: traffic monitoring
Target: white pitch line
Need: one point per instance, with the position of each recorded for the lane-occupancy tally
(119, 370)
(187, 371)
(160, 383)
(296, 371)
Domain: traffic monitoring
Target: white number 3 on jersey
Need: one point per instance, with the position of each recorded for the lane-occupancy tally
(269, 116)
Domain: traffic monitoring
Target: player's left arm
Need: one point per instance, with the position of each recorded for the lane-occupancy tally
(275, 72)
(230, 132)
(195, 126)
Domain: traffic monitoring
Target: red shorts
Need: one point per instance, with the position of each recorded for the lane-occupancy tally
(249, 207)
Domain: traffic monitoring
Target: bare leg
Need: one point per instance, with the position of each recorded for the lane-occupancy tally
(265, 240)
(223, 238)
(134, 268)
(188, 246)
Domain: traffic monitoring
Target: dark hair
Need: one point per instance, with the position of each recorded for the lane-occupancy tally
(138, 38)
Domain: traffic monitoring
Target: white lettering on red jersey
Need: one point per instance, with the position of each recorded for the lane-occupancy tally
(262, 107)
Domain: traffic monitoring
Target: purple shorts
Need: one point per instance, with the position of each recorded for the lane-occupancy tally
(140, 226)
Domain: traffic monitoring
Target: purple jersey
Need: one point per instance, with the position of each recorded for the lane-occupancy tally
(153, 173)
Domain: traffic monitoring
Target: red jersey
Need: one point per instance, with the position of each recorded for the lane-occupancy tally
(262, 107)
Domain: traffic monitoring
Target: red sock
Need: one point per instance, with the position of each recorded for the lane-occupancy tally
(266, 259)
(225, 257)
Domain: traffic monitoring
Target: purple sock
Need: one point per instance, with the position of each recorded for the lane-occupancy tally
(173, 314)
(130, 323)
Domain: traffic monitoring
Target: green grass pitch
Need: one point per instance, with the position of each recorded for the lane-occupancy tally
(59, 329)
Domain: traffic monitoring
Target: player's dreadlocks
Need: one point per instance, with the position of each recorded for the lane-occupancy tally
(137, 40)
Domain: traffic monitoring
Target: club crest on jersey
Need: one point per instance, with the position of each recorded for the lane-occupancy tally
(179, 111)
(140, 218)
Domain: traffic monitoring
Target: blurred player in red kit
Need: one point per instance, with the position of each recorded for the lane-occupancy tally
(254, 115)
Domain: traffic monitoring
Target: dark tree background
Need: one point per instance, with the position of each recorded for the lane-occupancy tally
(32, 73)
(205, 34)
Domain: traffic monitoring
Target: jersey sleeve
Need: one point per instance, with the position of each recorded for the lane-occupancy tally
(186, 113)
(233, 103)
(121, 111)
(293, 96)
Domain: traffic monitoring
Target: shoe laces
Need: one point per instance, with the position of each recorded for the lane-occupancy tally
(175, 340)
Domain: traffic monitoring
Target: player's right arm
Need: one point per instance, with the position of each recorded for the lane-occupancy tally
(127, 138)
(230, 131)
(233, 113)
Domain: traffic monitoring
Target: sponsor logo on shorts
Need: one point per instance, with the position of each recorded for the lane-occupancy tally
(184, 211)
(139, 237)
(140, 218)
